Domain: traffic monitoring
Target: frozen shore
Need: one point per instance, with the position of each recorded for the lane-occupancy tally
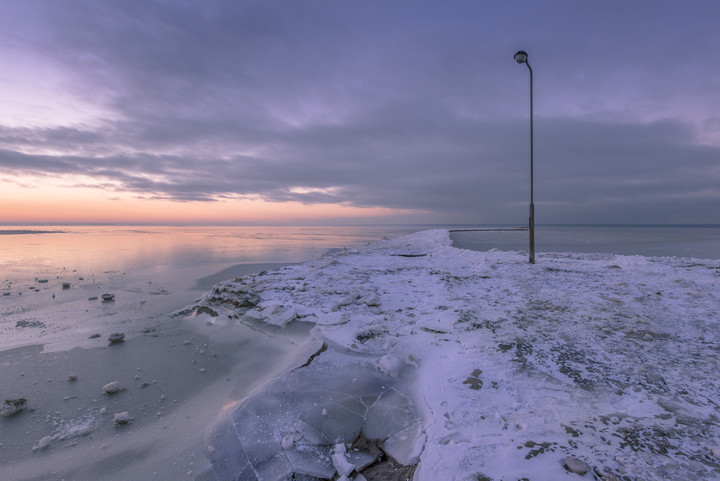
(172, 377)
(597, 364)
(441, 363)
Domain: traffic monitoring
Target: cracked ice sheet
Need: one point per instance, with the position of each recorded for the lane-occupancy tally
(300, 423)
(609, 359)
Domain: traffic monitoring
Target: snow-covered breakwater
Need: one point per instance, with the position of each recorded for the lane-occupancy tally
(503, 370)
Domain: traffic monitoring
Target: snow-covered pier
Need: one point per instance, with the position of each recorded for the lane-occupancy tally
(502, 370)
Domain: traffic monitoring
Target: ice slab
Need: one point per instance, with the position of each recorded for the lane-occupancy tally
(298, 424)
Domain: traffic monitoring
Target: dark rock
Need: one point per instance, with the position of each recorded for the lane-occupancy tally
(29, 324)
(12, 406)
(116, 337)
(206, 310)
(388, 470)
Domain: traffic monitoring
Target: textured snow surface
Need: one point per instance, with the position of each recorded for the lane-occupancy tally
(611, 360)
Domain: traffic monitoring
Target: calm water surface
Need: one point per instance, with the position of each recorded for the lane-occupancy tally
(95, 250)
(698, 242)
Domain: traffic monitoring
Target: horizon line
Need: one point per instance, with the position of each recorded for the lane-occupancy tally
(143, 224)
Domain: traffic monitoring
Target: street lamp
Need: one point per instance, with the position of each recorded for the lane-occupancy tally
(522, 57)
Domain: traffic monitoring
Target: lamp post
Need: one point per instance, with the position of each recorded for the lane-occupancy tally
(522, 57)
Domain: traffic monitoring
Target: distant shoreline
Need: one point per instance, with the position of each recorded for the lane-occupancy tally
(28, 231)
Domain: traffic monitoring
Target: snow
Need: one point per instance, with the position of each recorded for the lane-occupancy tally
(483, 366)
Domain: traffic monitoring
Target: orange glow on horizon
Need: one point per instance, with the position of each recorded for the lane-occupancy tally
(84, 205)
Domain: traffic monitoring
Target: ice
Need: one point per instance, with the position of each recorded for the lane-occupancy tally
(306, 434)
(406, 446)
(360, 459)
(301, 422)
(277, 315)
(390, 365)
(122, 418)
(311, 460)
(44, 442)
(340, 461)
(392, 412)
(610, 360)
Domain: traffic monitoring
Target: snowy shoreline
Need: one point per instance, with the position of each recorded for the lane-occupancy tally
(460, 365)
(597, 361)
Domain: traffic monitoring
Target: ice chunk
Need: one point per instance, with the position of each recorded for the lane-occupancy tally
(252, 315)
(361, 459)
(270, 310)
(342, 465)
(574, 465)
(43, 443)
(113, 387)
(282, 318)
(407, 445)
(122, 418)
(274, 314)
(390, 365)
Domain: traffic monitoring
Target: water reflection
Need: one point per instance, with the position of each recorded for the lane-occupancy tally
(99, 249)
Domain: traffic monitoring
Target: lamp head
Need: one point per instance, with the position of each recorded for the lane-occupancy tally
(521, 56)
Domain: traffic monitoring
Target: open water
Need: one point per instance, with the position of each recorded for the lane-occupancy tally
(701, 242)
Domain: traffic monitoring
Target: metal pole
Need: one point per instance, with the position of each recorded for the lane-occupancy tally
(521, 56)
(531, 226)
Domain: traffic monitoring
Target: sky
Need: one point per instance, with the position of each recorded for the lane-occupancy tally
(332, 112)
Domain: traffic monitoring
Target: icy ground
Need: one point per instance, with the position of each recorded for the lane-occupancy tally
(516, 371)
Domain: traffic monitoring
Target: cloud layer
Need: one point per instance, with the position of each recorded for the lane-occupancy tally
(409, 105)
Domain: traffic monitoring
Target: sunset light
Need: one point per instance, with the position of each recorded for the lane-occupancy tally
(357, 113)
(274, 240)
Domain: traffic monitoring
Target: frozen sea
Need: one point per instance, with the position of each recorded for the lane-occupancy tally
(474, 365)
(151, 270)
